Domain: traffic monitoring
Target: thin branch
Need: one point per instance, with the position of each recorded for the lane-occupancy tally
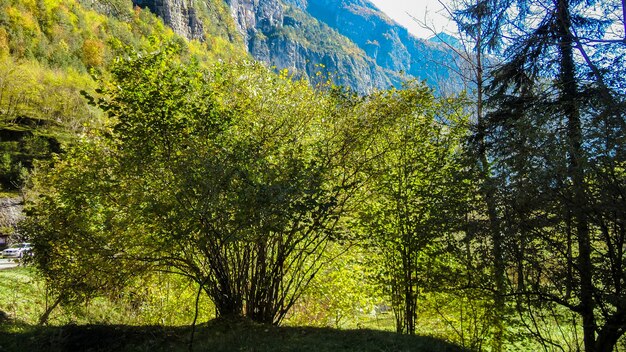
(195, 317)
(624, 17)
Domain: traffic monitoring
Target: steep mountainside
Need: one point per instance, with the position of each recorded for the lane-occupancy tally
(354, 42)
(194, 19)
(389, 44)
(287, 37)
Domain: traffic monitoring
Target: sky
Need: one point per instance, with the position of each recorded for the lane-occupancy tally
(430, 9)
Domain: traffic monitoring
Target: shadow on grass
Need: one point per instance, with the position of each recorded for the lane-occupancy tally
(217, 335)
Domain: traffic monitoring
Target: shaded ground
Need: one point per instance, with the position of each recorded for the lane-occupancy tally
(214, 336)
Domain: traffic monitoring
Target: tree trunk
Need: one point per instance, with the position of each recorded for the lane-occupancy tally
(610, 333)
(499, 272)
(488, 194)
(569, 92)
(43, 319)
(607, 340)
(409, 294)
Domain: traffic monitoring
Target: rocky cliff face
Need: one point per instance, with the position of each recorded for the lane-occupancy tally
(178, 14)
(389, 44)
(350, 40)
(11, 213)
(252, 16)
(284, 36)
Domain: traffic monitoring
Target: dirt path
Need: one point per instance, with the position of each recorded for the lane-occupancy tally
(8, 263)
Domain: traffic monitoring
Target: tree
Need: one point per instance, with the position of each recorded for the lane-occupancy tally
(234, 178)
(551, 96)
(416, 194)
(76, 233)
(480, 34)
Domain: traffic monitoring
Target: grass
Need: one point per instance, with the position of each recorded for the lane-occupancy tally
(22, 295)
(157, 317)
(216, 335)
(9, 193)
(106, 326)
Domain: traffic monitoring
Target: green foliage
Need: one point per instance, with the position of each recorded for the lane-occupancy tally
(40, 109)
(415, 202)
(552, 142)
(235, 178)
(81, 214)
(84, 35)
(93, 53)
(62, 34)
(343, 294)
(47, 49)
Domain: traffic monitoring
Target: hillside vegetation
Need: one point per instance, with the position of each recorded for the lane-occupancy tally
(50, 51)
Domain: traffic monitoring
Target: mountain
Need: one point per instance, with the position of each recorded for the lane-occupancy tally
(351, 40)
(447, 39)
(391, 46)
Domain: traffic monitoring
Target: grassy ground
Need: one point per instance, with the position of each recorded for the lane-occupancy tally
(213, 336)
(160, 301)
(104, 326)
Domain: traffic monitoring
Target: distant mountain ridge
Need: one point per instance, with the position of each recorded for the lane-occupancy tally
(352, 40)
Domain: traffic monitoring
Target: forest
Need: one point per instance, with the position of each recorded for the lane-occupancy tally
(179, 181)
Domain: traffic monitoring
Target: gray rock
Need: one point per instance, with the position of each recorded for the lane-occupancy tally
(256, 15)
(180, 15)
(11, 211)
(350, 40)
